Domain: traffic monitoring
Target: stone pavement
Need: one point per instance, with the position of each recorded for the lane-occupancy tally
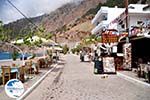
(75, 80)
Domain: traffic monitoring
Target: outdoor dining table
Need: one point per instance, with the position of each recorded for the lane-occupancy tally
(13, 70)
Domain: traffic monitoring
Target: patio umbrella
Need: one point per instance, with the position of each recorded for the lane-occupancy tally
(55, 48)
(49, 43)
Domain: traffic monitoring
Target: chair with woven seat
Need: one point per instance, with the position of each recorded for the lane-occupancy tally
(6, 74)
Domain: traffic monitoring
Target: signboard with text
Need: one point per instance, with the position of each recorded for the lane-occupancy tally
(111, 38)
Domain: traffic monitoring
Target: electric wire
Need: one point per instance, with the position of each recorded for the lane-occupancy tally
(23, 14)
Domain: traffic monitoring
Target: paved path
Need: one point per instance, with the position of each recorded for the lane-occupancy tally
(75, 81)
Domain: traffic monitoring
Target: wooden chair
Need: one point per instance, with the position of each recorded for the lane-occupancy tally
(36, 67)
(22, 73)
(49, 62)
(28, 67)
(39, 62)
(43, 63)
(46, 65)
(6, 74)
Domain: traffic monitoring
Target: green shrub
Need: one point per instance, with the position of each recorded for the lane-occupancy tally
(14, 55)
(65, 49)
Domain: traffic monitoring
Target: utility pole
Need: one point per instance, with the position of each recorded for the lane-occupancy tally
(127, 24)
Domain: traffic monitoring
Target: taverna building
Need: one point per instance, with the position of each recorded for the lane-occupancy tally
(136, 28)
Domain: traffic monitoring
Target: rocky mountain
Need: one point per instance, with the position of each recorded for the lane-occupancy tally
(54, 21)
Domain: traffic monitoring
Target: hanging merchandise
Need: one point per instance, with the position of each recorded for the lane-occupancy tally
(109, 65)
(127, 56)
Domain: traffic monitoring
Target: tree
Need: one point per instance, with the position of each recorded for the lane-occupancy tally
(48, 36)
(119, 3)
(65, 49)
(112, 3)
(2, 35)
(14, 55)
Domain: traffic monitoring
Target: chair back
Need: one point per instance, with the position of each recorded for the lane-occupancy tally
(6, 70)
(21, 70)
(29, 63)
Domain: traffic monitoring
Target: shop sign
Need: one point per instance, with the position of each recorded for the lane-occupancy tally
(109, 38)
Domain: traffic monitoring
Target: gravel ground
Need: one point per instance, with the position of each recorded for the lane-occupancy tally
(75, 80)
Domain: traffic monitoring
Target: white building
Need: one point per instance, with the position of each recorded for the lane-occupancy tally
(104, 17)
(114, 18)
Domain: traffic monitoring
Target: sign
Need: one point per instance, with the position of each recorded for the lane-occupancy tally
(14, 88)
(109, 38)
(109, 65)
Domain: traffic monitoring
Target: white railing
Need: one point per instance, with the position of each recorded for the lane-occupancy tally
(16, 48)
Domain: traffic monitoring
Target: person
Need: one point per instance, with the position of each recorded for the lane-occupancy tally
(98, 66)
(95, 55)
(140, 61)
(82, 56)
(91, 55)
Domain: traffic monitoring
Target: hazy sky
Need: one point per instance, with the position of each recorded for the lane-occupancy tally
(30, 8)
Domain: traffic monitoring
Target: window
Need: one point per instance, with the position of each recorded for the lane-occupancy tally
(97, 23)
(104, 17)
(121, 22)
(131, 7)
(139, 22)
(122, 26)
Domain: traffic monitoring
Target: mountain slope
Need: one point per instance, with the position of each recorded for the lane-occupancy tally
(55, 20)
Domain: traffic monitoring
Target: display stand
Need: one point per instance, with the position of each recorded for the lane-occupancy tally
(109, 65)
(127, 56)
